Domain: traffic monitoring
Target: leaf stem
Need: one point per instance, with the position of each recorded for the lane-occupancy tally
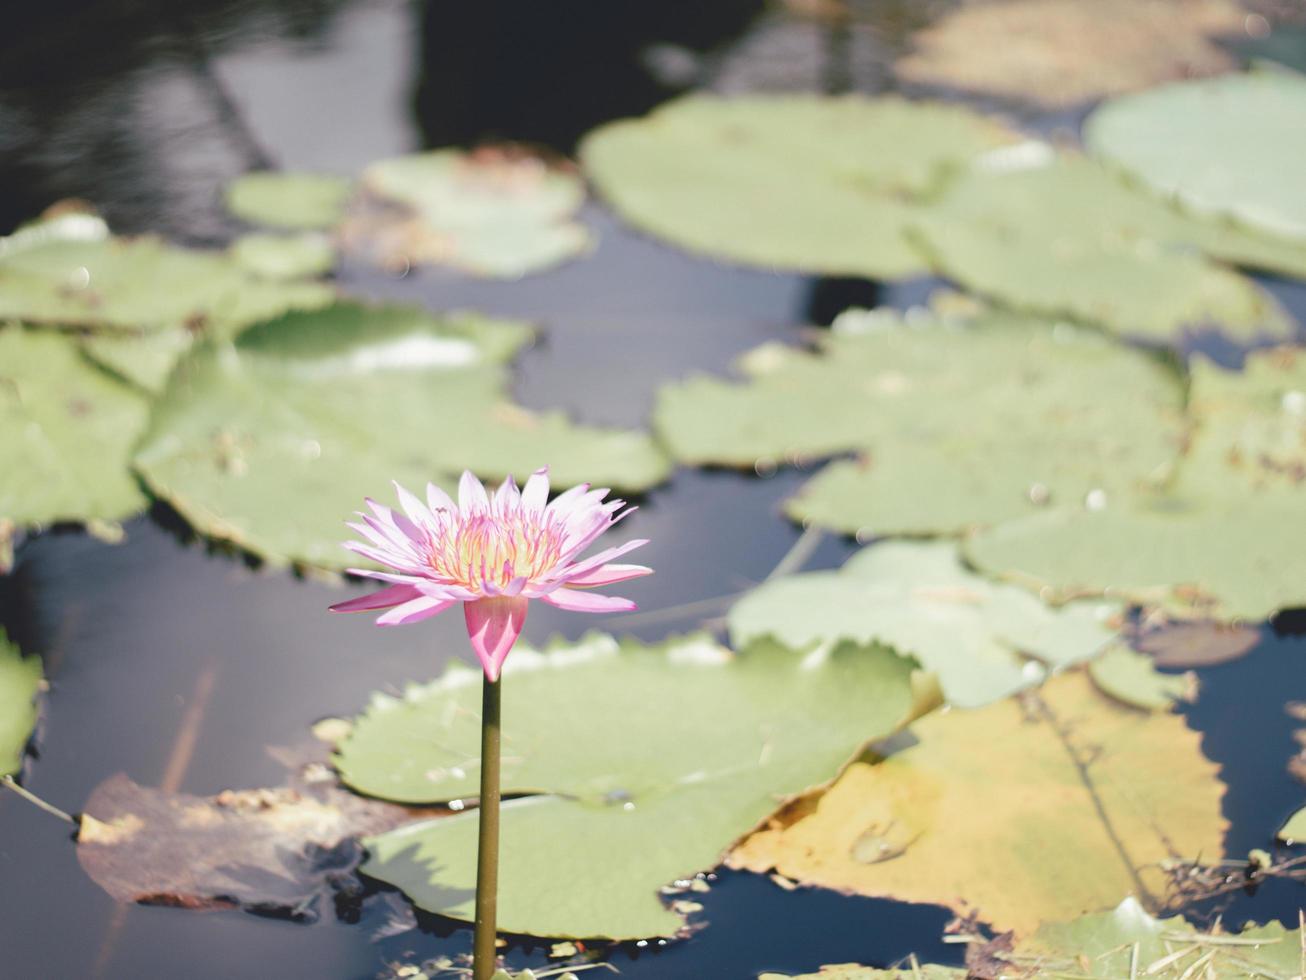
(32, 798)
(484, 954)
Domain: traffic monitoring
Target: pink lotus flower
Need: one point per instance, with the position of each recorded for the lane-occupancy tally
(493, 554)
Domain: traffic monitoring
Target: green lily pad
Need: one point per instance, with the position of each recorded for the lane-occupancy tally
(137, 284)
(20, 679)
(1128, 941)
(1250, 426)
(1124, 942)
(1220, 559)
(1217, 546)
(1216, 145)
(917, 597)
(1063, 237)
(69, 429)
(957, 423)
(270, 441)
(302, 201)
(1293, 830)
(730, 738)
(271, 256)
(814, 184)
(493, 212)
(1131, 678)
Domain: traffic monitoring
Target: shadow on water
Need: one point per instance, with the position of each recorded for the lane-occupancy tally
(583, 61)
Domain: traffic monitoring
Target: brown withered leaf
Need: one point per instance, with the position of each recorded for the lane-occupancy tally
(1060, 53)
(272, 851)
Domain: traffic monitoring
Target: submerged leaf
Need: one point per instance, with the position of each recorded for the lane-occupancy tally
(69, 429)
(916, 597)
(814, 184)
(492, 212)
(301, 201)
(1059, 53)
(1197, 644)
(268, 441)
(1063, 237)
(961, 423)
(1215, 145)
(746, 732)
(20, 680)
(1024, 811)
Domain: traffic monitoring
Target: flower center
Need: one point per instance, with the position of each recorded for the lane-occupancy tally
(483, 548)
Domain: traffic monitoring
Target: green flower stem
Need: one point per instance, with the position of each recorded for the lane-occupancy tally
(485, 955)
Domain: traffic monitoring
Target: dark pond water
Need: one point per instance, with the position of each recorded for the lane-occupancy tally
(146, 109)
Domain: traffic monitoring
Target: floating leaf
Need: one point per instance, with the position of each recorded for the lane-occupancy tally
(69, 429)
(262, 849)
(289, 200)
(851, 971)
(1220, 559)
(268, 441)
(494, 212)
(1216, 547)
(1129, 942)
(1251, 427)
(728, 738)
(1293, 830)
(1024, 811)
(1060, 53)
(814, 184)
(1131, 678)
(1215, 145)
(284, 256)
(1125, 942)
(20, 679)
(960, 423)
(115, 285)
(1062, 237)
(917, 598)
(1197, 644)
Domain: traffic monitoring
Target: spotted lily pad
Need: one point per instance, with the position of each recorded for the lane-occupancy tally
(68, 433)
(271, 440)
(301, 201)
(820, 185)
(1220, 545)
(112, 287)
(1060, 53)
(1216, 145)
(916, 597)
(606, 827)
(1063, 237)
(493, 212)
(1028, 810)
(119, 284)
(956, 423)
(20, 679)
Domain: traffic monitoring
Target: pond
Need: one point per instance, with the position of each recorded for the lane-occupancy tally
(193, 668)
